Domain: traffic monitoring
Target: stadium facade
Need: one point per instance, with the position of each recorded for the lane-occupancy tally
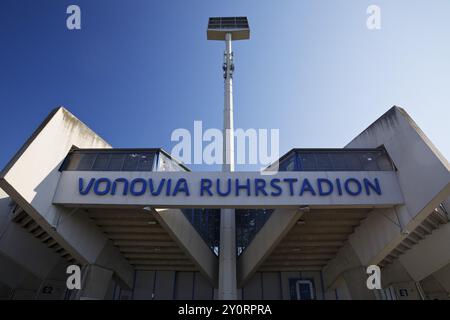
(143, 226)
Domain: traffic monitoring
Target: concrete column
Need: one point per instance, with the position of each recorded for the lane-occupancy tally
(346, 274)
(227, 258)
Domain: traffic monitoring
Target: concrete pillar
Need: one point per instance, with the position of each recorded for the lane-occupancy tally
(345, 271)
(227, 257)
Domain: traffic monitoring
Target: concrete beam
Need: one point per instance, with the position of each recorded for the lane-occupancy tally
(187, 238)
(22, 247)
(429, 255)
(274, 230)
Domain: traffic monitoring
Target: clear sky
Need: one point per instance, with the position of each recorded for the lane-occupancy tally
(139, 69)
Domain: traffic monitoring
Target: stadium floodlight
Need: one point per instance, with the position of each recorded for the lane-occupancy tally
(228, 29)
(218, 27)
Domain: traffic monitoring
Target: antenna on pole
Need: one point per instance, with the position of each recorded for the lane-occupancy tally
(228, 29)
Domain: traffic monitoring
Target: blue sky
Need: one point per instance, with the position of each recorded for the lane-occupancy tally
(139, 69)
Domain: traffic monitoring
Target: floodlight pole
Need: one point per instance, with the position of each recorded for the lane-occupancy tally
(227, 254)
(228, 126)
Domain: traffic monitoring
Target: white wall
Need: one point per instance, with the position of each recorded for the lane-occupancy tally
(424, 178)
(31, 178)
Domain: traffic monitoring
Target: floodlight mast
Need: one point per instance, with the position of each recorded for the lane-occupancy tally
(228, 29)
(227, 252)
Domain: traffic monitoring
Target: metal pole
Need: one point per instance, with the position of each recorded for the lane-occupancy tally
(227, 253)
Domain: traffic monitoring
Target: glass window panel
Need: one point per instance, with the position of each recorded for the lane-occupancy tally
(353, 162)
(383, 162)
(288, 164)
(304, 291)
(145, 162)
(339, 161)
(131, 162)
(307, 161)
(73, 161)
(116, 162)
(369, 161)
(101, 162)
(86, 162)
(323, 162)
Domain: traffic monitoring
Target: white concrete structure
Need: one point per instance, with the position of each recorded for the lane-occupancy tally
(156, 246)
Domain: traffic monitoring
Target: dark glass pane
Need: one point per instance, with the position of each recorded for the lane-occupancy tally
(116, 162)
(207, 224)
(353, 162)
(307, 162)
(288, 164)
(73, 161)
(86, 161)
(145, 162)
(248, 224)
(304, 291)
(131, 162)
(339, 161)
(369, 161)
(101, 162)
(323, 162)
(383, 162)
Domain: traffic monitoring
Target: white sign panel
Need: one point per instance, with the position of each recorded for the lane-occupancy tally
(237, 189)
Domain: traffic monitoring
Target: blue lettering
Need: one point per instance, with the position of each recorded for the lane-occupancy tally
(243, 186)
(125, 186)
(143, 187)
(320, 183)
(97, 184)
(152, 189)
(274, 183)
(181, 186)
(205, 186)
(260, 185)
(88, 187)
(291, 184)
(226, 193)
(169, 184)
(307, 187)
(339, 187)
(356, 183)
(375, 187)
